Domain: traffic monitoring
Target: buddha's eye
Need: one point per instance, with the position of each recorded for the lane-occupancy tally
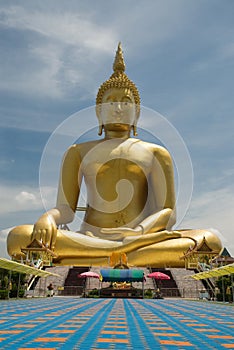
(126, 103)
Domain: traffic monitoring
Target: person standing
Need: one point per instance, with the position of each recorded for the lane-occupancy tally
(50, 290)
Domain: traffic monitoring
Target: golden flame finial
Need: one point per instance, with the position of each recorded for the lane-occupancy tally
(119, 65)
(118, 79)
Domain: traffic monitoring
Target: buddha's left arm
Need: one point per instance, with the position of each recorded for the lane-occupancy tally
(161, 185)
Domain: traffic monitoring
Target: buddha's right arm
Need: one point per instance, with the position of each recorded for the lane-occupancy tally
(45, 228)
(69, 186)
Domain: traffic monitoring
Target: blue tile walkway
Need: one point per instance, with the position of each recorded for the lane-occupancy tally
(74, 323)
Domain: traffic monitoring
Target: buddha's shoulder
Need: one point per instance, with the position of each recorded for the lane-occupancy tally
(155, 148)
(82, 147)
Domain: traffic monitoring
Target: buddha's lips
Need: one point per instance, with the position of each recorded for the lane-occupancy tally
(118, 123)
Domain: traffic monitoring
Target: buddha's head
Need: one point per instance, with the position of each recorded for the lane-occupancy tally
(118, 100)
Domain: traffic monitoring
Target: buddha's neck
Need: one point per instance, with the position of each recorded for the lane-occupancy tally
(117, 134)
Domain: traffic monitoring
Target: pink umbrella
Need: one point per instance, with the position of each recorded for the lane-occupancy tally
(159, 276)
(89, 274)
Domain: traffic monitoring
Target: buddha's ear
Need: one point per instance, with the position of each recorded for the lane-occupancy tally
(138, 110)
(98, 114)
(100, 130)
(134, 130)
(134, 126)
(98, 110)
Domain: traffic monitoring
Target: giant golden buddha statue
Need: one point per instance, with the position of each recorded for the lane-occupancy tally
(130, 193)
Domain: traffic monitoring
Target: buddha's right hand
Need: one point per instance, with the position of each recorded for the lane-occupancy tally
(45, 230)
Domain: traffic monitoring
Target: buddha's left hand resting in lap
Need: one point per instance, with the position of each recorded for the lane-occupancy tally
(130, 193)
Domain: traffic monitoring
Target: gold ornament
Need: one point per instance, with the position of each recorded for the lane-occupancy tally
(119, 80)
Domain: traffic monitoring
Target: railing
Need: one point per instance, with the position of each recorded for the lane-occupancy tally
(71, 290)
(165, 292)
(170, 292)
(39, 265)
(208, 283)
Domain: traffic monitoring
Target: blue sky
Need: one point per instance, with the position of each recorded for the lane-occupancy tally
(55, 55)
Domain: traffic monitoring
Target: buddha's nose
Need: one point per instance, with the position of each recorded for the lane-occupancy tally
(118, 107)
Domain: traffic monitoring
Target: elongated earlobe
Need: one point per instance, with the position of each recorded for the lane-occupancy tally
(100, 130)
(134, 129)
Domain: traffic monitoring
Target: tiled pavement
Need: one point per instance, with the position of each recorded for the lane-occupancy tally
(74, 323)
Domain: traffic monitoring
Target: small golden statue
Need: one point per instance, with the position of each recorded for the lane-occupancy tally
(130, 194)
(118, 260)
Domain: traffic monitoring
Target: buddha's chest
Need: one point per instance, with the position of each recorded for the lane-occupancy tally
(117, 162)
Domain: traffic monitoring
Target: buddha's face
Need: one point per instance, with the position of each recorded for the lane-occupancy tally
(118, 111)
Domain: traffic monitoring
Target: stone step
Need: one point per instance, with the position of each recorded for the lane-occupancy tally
(57, 281)
(188, 287)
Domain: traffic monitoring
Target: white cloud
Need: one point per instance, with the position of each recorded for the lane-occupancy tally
(213, 209)
(17, 201)
(222, 56)
(24, 198)
(67, 44)
(66, 27)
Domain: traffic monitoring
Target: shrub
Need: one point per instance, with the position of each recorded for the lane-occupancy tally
(13, 293)
(94, 293)
(3, 294)
(148, 293)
